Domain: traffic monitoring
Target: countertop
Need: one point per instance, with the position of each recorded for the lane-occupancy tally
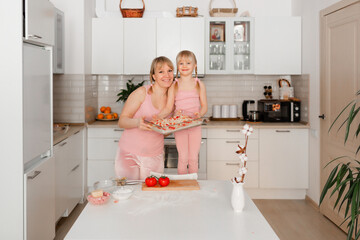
(61, 135)
(220, 124)
(200, 214)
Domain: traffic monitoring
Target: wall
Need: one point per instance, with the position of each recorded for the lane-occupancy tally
(309, 11)
(11, 147)
(221, 89)
(154, 7)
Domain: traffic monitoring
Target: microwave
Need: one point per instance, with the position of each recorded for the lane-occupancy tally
(279, 110)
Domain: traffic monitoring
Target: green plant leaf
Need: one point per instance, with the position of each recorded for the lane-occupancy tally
(340, 115)
(351, 118)
(330, 181)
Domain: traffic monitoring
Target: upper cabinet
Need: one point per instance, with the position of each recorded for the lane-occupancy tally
(128, 46)
(176, 34)
(107, 46)
(139, 45)
(59, 49)
(278, 45)
(230, 46)
(39, 21)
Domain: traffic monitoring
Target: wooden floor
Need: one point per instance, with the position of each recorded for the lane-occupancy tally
(290, 219)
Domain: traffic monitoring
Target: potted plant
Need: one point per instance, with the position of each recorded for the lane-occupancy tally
(345, 177)
(130, 87)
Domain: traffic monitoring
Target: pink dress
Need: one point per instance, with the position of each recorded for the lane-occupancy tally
(188, 141)
(140, 151)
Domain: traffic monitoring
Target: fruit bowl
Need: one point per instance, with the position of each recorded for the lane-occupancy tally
(99, 200)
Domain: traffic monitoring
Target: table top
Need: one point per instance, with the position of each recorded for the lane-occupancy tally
(200, 214)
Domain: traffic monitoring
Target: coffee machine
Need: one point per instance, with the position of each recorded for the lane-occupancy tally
(246, 107)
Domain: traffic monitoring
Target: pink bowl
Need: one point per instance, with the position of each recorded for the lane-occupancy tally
(99, 200)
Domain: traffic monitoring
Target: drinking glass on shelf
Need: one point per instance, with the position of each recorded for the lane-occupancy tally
(246, 63)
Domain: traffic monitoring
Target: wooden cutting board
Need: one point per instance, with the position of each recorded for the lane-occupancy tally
(174, 185)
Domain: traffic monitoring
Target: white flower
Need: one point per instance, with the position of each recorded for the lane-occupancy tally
(244, 170)
(243, 157)
(246, 127)
(244, 131)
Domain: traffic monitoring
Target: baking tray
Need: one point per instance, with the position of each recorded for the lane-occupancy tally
(195, 123)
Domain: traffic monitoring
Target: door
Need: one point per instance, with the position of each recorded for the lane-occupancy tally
(340, 79)
(139, 45)
(37, 102)
(39, 185)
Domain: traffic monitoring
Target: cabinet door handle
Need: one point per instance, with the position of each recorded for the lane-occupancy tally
(75, 167)
(116, 141)
(77, 132)
(117, 130)
(34, 176)
(232, 141)
(233, 130)
(232, 164)
(282, 131)
(62, 144)
(35, 36)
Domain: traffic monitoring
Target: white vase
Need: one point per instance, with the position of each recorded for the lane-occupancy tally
(237, 197)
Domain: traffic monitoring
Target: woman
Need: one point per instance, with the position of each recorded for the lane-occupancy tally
(141, 149)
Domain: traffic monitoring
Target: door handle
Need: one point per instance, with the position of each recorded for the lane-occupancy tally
(232, 164)
(232, 141)
(34, 176)
(322, 116)
(233, 130)
(35, 36)
(282, 131)
(75, 167)
(116, 141)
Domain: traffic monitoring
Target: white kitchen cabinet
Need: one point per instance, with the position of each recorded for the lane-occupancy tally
(229, 46)
(192, 37)
(107, 46)
(168, 38)
(278, 45)
(69, 155)
(39, 21)
(284, 156)
(139, 45)
(39, 185)
(222, 160)
(176, 34)
(102, 147)
(59, 43)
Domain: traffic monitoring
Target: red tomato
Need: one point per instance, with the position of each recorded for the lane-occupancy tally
(164, 181)
(150, 181)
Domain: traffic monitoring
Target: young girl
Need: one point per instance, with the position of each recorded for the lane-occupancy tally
(189, 96)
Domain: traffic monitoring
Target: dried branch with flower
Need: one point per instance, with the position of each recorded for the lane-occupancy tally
(241, 150)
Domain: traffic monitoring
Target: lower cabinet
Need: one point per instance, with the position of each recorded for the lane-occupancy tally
(222, 160)
(102, 147)
(69, 162)
(284, 156)
(39, 185)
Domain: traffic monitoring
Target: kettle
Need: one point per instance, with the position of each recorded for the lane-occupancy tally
(245, 109)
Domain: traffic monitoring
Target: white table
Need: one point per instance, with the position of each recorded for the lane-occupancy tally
(204, 214)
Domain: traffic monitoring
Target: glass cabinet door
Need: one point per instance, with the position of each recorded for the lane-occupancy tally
(242, 57)
(217, 46)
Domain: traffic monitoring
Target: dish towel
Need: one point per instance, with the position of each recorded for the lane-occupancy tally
(176, 177)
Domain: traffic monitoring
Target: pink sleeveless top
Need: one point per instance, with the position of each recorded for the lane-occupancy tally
(141, 142)
(187, 101)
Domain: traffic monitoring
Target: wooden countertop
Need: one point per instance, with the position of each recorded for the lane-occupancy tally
(220, 124)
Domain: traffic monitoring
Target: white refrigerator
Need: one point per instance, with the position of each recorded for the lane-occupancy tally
(39, 164)
(37, 93)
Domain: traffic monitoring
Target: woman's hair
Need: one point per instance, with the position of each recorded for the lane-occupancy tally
(159, 62)
(185, 54)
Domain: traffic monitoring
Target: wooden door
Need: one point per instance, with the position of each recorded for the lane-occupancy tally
(340, 80)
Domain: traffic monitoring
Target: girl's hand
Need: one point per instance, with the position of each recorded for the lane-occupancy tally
(142, 125)
(197, 115)
(156, 117)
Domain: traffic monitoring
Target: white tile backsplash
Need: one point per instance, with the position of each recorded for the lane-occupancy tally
(78, 98)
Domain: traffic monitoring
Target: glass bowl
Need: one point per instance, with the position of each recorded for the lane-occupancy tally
(122, 193)
(99, 200)
(105, 185)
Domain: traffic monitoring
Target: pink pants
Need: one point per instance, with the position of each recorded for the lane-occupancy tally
(135, 167)
(188, 144)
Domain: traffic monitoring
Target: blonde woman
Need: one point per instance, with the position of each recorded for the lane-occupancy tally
(140, 149)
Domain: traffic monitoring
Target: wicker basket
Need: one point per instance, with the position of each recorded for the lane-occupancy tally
(132, 12)
(223, 12)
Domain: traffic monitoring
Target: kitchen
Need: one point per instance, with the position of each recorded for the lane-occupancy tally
(78, 93)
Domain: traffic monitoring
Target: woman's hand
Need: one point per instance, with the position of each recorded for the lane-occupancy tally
(142, 125)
